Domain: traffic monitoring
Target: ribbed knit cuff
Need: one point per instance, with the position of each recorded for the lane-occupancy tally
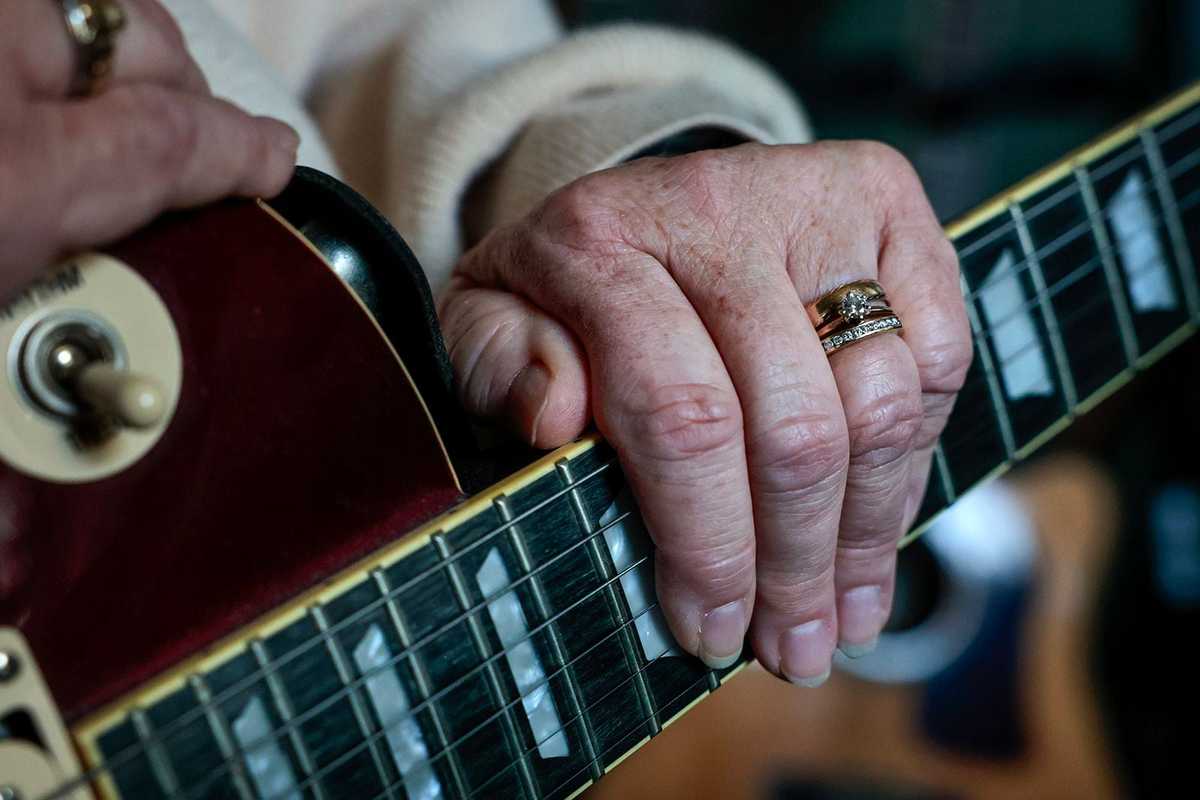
(584, 104)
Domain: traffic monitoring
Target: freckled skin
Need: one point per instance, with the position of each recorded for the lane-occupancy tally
(666, 297)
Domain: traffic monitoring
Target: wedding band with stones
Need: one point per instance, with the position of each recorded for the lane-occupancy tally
(851, 313)
(93, 26)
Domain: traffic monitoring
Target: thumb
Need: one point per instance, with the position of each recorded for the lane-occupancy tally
(515, 362)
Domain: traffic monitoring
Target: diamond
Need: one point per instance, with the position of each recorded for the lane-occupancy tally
(854, 306)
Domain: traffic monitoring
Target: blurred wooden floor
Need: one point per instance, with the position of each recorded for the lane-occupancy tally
(757, 730)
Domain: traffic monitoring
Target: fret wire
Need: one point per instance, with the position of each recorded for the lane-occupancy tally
(631, 566)
(578, 773)
(1061, 239)
(341, 664)
(499, 713)
(167, 729)
(430, 701)
(1112, 274)
(1049, 318)
(283, 704)
(94, 770)
(1034, 342)
(421, 677)
(176, 725)
(274, 735)
(230, 752)
(617, 603)
(1166, 198)
(943, 470)
(160, 762)
(483, 648)
(652, 606)
(164, 732)
(403, 655)
(983, 353)
(574, 690)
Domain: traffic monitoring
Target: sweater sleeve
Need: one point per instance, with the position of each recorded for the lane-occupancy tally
(417, 98)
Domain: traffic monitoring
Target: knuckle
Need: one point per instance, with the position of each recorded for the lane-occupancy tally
(168, 137)
(802, 453)
(685, 421)
(716, 570)
(703, 181)
(887, 163)
(580, 216)
(943, 365)
(887, 428)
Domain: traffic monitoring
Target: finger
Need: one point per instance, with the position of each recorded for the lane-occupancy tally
(881, 394)
(150, 47)
(797, 450)
(796, 439)
(514, 361)
(919, 269)
(99, 169)
(662, 397)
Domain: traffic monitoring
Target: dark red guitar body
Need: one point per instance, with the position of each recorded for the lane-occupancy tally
(295, 412)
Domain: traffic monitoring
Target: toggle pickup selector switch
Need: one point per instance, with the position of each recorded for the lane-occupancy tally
(94, 372)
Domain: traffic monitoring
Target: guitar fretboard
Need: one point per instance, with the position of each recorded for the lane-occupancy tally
(515, 648)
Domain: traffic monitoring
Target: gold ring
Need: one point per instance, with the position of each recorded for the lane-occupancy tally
(93, 26)
(850, 313)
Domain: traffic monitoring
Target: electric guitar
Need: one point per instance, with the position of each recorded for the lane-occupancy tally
(243, 547)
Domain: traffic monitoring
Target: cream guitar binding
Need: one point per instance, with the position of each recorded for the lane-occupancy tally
(35, 766)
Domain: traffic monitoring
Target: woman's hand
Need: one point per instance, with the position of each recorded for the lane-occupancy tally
(666, 298)
(80, 172)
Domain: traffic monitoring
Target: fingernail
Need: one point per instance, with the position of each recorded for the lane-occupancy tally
(722, 632)
(528, 397)
(811, 683)
(858, 650)
(860, 617)
(805, 652)
(285, 137)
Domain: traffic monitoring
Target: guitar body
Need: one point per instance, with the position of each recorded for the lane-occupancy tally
(234, 545)
(299, 443)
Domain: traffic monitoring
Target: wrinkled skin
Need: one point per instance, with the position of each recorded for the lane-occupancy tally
(77, 173)
(665, 299)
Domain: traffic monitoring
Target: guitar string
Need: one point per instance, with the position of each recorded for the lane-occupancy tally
(1065, 321)
(579, 772)
(416, 646)
(279, 733)
(282, 660)
(487, 537)
(447, 750)
(1181, 125)
(167, 730)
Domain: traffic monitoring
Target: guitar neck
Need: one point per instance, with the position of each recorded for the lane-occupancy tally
(515, 648)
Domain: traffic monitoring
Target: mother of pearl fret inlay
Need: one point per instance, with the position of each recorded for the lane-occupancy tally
(266, 762)
(1019, 353)
(628, 543)
(511, 626)
(401, 729)
(1147, 273)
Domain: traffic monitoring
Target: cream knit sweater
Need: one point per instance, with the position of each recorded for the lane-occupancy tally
(410, 100)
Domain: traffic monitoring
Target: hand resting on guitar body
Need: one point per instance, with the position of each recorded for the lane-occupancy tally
(664, 298)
